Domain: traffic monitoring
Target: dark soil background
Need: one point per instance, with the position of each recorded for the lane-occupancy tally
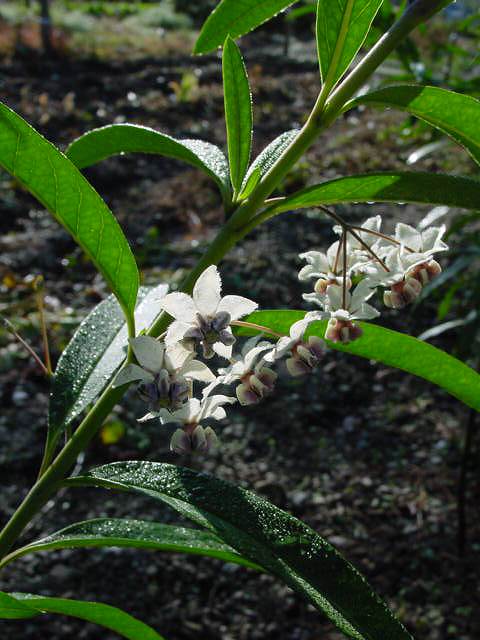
(366, 455)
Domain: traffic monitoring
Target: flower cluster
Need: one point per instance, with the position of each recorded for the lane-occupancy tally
(166, 371)
(346, 277)
(400, 264)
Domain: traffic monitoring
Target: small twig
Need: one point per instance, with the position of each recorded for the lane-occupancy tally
(258, 327)
(344, 279)
(368, 248)
(38, 289)
(11, 329)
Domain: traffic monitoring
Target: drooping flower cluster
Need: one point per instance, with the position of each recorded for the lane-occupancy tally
(346, 278)
(400, 264)
(166, 371)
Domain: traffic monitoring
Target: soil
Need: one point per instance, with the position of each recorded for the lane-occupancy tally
(367, 456)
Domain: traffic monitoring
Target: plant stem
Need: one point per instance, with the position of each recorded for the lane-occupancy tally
(9, 327)
(237, 226)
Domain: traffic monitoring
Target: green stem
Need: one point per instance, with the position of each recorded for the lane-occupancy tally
(322, 115)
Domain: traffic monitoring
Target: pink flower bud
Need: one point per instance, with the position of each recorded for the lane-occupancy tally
(426, 271)
(402, 293)
(343, 331)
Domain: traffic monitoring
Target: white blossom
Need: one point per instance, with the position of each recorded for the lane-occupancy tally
(205, 317)
(256, 379)
(195, 436)
(304, 355)
(164, 373)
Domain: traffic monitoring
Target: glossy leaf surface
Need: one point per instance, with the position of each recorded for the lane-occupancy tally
(115, 139)
(12, 609)
(265, 535)
(139, 534)
(238, 112)
(55, 182)
(422, 188)
(235, 18)
(102, 614)
(455, 114)
(342, 27)
(391, 348)
(93, 355)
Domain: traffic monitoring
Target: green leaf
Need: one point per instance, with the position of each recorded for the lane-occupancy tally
(265, 535)
(455, 114)
(391, 348)
(102, 143)
(238, 112)
(342, 27)
(61, 188)
(87, 365)
(139, 534)
(101, 614)
(422, 188)
(265, 160)
(13, 609)
(235, 18)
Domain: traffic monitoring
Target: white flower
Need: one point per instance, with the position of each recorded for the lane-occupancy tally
(341, 327)
(257, 380)
(326, 268)
(193, 436)
(304, 356)
(164, 373)
(355, 307)
(205, 317)
(425, 242)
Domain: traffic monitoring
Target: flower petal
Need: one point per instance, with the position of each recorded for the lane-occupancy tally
(148, 352)
(131, 373)
(237, 306)
(176, 332)
(222, 350)
(179, 306)
(206, 292)
(180, 442)
(196, 370)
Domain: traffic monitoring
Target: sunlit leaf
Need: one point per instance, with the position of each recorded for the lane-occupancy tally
(238, 112)
(235, 18)
(342, 27)
(101, 614)
(266, 535)
(93, 355)
(391, 348)
(395, 186)
(12, 609)
(102, 143)
(139, 534)
(61, 188)
(455, 114)
(265, 160)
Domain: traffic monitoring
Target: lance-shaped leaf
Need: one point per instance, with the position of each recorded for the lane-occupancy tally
(102, 614)
(455, 114)
(238, 112)
(138, 534)
(392, 348)
(235, 18)
(266, 535)
(342, 27)
(421, 188)
(12, 609)
(265, 160)
(92, 357)
(49, 176)
(102, 143)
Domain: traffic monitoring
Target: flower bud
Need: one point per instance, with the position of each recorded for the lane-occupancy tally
(343, 331)
(402, 293)
(426, 271)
